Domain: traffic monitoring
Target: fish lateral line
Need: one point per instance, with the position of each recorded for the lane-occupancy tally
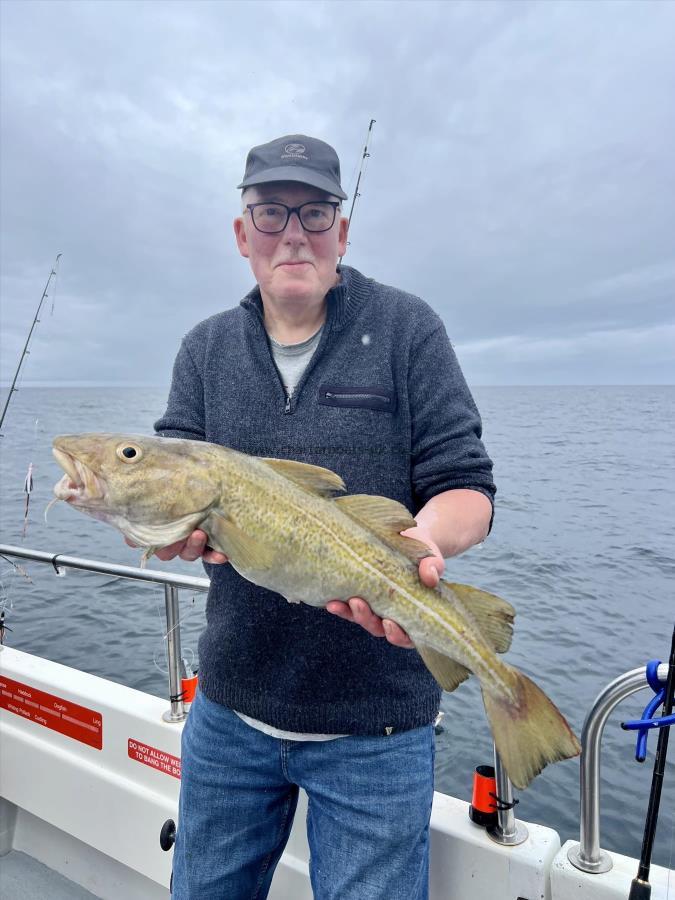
(471, 645)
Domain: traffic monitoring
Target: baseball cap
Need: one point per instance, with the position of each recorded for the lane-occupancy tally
(295, 157)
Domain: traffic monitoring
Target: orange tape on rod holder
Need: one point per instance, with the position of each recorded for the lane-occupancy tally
(483, 809)
(188, 688)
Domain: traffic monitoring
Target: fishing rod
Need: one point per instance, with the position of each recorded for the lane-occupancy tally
(26, 351)
(358, 180)
(640, 888)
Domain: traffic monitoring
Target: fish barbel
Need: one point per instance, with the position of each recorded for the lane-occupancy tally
(282, 527)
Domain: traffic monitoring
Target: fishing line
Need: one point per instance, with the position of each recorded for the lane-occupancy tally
(5, 603)
(187, 658)
(369, 148)
(372, 143)
(352, 179)
(364, 158)
(56, 283)
(6, 600)
(165, 635)
(19, 570)
(670, 857)
(26, 352)
(17, 381)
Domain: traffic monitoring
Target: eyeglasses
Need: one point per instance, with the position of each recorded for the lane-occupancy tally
(314, 216)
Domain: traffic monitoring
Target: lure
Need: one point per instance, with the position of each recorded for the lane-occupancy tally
(28, 488)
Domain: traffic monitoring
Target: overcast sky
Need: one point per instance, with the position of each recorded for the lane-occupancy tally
(522, 176)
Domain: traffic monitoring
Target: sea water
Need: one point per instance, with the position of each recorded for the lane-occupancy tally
(583, 545)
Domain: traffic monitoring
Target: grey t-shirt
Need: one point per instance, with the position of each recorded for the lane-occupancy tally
(291, 359)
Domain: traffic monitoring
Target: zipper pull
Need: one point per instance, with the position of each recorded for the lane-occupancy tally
(287, 408)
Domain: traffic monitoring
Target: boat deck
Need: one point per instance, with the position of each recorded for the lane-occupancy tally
(24, 878)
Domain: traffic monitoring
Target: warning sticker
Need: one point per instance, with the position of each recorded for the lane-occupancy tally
(64, 716)
(156, 759)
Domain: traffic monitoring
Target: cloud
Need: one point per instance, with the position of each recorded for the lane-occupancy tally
(626, 284)
(579, 355)
(520, 176)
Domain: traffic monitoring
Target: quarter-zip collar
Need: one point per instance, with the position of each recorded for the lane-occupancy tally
(342, 301)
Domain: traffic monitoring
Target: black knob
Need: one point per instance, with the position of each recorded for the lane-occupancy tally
(167, 835)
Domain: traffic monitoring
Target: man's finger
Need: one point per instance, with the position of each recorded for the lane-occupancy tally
(214, 557)
(341, 609)
(358, 611)
(431, 569)
(395, 634)
(194, 546)
(364, 616)
(166, 553)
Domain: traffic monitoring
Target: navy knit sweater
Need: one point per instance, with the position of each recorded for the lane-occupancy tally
(384, 404)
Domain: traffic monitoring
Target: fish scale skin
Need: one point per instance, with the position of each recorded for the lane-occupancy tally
(316, 552)
(320, 553)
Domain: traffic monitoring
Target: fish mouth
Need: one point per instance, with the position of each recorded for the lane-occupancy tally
(80, 483)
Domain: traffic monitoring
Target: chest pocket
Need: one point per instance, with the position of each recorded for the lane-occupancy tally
(381, 399)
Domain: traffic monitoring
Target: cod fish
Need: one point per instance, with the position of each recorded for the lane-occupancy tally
(282, 527)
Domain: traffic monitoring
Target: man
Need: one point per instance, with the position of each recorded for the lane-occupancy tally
(323, 365)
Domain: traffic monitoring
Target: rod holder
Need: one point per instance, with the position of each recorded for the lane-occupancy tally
(508, 830)
(587, 855)
(177, 711)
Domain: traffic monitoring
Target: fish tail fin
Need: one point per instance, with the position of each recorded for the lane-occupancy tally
(528, 729)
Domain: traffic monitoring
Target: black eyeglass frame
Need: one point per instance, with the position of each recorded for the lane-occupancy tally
(294, 209)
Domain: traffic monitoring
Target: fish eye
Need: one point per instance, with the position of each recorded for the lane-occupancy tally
(129, 453)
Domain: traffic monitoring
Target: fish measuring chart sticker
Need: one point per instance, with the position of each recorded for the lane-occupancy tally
(75, 721)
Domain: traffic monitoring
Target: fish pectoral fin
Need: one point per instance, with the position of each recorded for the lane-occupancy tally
(147, 553)
(447, 672)
(493, 616)
(386, 518)
(314, 479)
(242, 550)
(156, 536)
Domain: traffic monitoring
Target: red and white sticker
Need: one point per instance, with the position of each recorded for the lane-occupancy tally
(156, 759)
(64, 716)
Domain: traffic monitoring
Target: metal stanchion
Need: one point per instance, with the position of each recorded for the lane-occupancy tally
(508, 830)
(173, 653)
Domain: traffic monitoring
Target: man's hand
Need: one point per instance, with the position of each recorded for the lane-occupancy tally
(357, 610)
(189, 549)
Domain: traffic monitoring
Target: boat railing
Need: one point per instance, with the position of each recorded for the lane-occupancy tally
(508, 831)
(587, 855)
(172, 583)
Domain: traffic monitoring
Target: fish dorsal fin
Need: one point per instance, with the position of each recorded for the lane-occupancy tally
(493, 615)
(314, 479)
(447, 672)
(385, 518)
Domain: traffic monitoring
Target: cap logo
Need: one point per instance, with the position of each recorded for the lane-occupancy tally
(294, 151)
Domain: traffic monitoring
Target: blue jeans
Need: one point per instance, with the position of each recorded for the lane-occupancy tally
(367, 821)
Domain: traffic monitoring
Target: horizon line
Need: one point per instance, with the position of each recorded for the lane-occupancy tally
(165, 386)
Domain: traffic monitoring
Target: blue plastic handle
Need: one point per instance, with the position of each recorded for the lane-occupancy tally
(647, 722)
